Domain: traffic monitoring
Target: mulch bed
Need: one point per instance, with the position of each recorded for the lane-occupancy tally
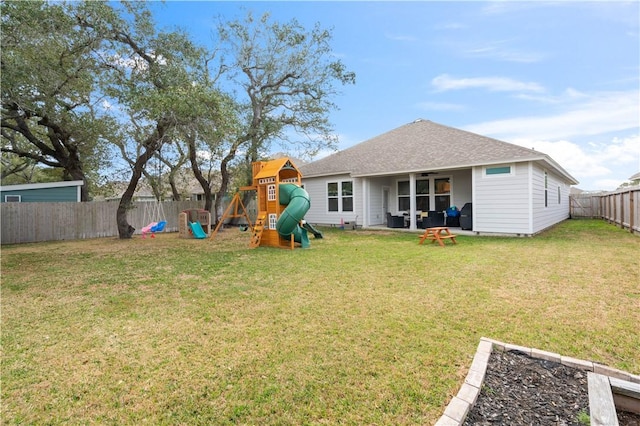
(521, 390)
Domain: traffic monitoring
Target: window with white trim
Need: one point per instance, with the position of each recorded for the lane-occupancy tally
(546, 189)
(13, 198)
(340, 196)
(429, 192)
(273, 220)
(347, 196)
(404, 195)
(498, 170)
(422, 195)
(271, 192)
(442, 194)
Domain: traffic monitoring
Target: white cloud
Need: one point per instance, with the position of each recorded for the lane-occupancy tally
(602, 163)
(444, 82)
(569, 95)
(204, 155)
(598, 165)
(589, 115)
(400, 37)
(605, 184)
(571, 156)
(501, 51)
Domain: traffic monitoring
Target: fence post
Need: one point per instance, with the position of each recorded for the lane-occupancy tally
(612, 201)
(631, 211)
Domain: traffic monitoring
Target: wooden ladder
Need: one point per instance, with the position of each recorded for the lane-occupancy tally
(256, 234)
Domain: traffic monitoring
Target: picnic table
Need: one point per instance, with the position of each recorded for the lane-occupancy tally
(439, 234)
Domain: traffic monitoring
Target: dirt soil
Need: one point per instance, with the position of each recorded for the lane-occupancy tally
(521, 390)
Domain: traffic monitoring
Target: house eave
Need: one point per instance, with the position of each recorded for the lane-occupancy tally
(541, 158)
(448, 167)
(44, 185)
(559, 169)
(319, 175)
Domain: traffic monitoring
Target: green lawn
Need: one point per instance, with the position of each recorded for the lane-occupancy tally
(362, 328)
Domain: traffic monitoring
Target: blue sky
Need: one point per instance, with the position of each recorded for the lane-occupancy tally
(560, 77)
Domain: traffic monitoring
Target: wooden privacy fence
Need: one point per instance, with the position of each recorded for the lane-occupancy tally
(35, 222)
(585, 206)
(621, 207)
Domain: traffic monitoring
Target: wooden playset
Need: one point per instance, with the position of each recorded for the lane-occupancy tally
(281, 204)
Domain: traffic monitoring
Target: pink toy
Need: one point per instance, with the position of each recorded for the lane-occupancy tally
(147, 229)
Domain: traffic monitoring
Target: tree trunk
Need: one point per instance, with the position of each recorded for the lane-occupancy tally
(152, 145)
(125, 231)
(175, 194)
(204, 183)
(76, 172)
(250, 158)
(224, 181)
(174, 187)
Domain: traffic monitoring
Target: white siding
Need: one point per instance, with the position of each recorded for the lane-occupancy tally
(508, 204)
(554, 212)
(375, 214)
(501, 202)
(372, 189)
(461, 187)
(319, 212)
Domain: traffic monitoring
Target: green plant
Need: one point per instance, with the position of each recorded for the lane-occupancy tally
(488, 390)
(583, 418)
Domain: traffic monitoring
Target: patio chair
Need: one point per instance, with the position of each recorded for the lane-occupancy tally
(395, 221)
(432, 219)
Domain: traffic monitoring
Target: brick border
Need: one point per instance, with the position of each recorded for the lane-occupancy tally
(460, 405)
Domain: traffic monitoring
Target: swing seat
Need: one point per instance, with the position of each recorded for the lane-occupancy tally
(159, 227)
(148, 228)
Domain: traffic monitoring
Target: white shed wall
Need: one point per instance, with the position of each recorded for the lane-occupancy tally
(501, 202)
(554, 212)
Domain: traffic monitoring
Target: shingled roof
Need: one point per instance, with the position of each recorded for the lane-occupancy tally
(422, 146)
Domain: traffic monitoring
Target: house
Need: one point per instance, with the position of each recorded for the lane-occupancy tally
(424, 167)
(42, 192)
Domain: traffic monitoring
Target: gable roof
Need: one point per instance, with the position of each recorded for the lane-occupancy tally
(272, 167)
(422, 146)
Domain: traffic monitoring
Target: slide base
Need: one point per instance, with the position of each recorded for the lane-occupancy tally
(197, 230)
(314, 231)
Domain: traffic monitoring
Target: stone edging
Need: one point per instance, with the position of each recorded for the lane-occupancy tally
(460, 405)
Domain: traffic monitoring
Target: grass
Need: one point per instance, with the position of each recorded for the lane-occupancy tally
(362, 328)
